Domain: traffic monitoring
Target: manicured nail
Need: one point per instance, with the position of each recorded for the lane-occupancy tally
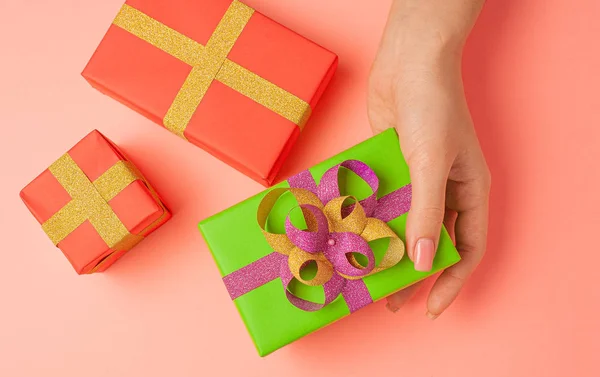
(424, 254)
(431, 316)
(391, 308)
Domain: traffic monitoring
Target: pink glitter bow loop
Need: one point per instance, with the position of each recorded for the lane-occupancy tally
(329, 189)
(307, 240)
(342, 254)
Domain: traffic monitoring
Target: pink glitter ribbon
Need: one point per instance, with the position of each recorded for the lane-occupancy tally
(322, 241)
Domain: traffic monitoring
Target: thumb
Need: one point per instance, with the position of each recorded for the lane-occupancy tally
(429, 173)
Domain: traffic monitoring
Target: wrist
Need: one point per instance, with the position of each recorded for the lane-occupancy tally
(400, 52)
(428, 32)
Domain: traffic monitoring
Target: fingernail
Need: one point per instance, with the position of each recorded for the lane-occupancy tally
(391, 308)
(431, 316)
(424, 254)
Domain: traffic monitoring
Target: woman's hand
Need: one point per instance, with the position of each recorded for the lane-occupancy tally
(416, 87)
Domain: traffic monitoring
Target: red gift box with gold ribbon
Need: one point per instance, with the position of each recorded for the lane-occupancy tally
(218, 74)
(94, 204)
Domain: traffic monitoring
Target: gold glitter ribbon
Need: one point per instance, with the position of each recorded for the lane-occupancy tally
(370, 229)
(210, 63)
(89, 201)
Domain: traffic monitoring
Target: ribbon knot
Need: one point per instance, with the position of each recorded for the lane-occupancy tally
(335, 234)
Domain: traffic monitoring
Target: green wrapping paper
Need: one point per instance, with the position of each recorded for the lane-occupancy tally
(235, 240)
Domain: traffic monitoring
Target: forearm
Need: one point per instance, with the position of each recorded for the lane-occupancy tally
(424, 30)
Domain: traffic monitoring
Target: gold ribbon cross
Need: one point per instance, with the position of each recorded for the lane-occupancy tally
(210, 63)
(89, 201)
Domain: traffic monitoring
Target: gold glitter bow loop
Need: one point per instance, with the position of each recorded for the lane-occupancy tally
(376, 229)
(299, 260)
(353, 222)
(280, 242)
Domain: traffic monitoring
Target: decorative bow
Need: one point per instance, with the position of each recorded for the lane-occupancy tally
(333, 236)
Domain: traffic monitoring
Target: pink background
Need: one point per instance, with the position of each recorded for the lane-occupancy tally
(532, 308)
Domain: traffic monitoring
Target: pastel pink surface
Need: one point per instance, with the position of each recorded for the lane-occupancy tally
(532, 308)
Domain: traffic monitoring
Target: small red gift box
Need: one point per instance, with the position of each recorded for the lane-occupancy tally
(94, 204)
(217, 73)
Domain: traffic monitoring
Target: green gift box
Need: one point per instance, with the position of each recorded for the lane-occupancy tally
(250, 267)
